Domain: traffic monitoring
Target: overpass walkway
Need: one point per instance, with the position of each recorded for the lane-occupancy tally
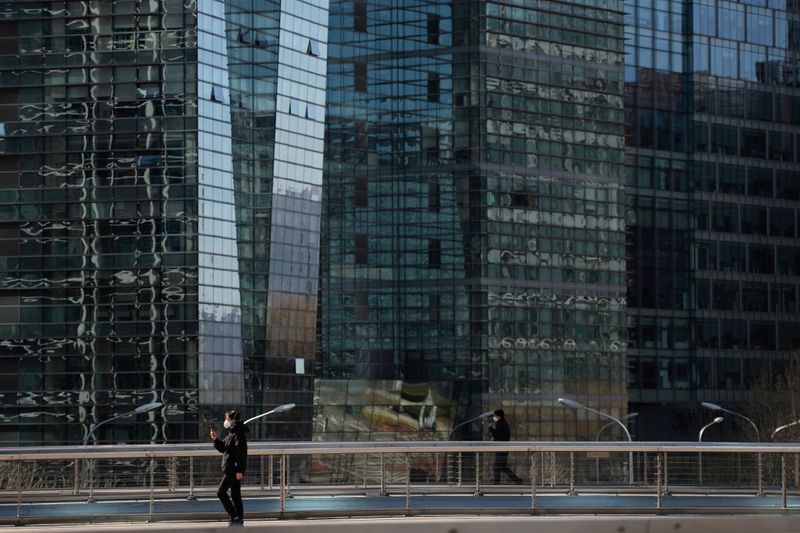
(157, 483)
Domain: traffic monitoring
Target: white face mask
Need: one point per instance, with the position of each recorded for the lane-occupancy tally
(496, 418)
(227, 424)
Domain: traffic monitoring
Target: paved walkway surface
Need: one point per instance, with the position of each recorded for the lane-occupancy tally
(467, 524)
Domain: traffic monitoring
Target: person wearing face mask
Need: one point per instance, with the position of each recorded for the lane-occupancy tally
(501, 432)
(234, 461)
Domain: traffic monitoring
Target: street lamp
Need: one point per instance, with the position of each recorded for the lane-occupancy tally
(781, 428)
(715, 407)
(465, 422)
(146, 408)
(280, 409)
(717, 420)
(629, 416)
(577, 405)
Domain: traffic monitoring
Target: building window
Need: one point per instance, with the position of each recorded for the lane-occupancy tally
(217, 94)
(8, 37)
(9, 239)
(362, 306)
(434, 22)
(359, 16)
(9, 173)
(360, 76)
(434, 84)
(362, 248)
(361, 196)
(313, 48)
(434, 195)
(434, 253)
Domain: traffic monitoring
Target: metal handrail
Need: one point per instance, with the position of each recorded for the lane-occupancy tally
(129, 451)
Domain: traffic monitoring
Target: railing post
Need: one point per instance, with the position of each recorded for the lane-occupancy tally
(700, 467)
(783, 481)
(436, 466)
(366, 460)
(173, 473)
(659, 494)
(571, 473)
(91, 481)
(460, 473)
(408, 482)
(533, 481)
(552, 469)
(383, 475)
(477, 474)
(666, 474)
(152, 487)
(288, 466)
(19, 489)
(191, 495)
(282, 468)
(760, 477)
(76, 489)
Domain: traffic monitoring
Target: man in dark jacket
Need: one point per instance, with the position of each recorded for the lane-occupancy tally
(501, 432)
(234, 462)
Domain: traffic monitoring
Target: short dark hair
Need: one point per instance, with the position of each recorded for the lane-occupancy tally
(500, 413)
(233, 415)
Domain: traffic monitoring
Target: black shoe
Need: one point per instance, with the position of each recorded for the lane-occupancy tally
(236, 522)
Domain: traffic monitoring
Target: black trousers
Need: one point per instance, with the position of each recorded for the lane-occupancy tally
(501, 465)
(234, 509)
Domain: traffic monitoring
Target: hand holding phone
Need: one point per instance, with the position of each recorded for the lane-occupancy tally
(212, 432)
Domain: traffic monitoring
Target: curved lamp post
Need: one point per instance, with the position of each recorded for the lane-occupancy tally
(781, 428)
(717, 420)
(715, 407)
(629, 416)
(280, 409)
(146, 408)
(577, 405)
(465, 422)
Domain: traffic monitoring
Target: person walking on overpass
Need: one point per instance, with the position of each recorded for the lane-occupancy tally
(501, 432)
(234, 462)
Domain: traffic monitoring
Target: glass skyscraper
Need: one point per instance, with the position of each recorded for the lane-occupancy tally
(473, 244)
(160, 166)
(712, 187)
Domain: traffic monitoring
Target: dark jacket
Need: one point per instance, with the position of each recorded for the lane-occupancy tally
(500, 431)
(233, 449)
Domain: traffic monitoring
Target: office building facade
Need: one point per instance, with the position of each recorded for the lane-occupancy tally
(161, 166)
(473, 243)
(712, 188)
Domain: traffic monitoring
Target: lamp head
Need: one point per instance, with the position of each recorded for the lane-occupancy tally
(570, 403)
(630, 415)
(718, 420)
(284, 407)
(146, 408)
(487, 413)
(712, 406)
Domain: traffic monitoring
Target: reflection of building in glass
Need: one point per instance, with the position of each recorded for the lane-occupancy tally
(473, 235)
(160, 166)
(712, 113)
